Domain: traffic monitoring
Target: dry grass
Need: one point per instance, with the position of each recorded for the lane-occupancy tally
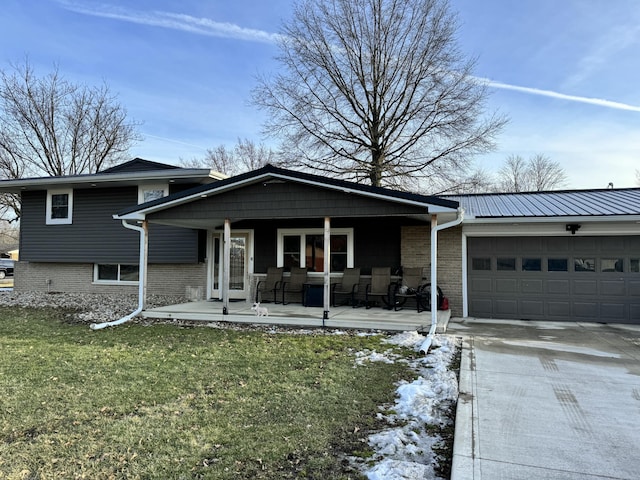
(167, 402)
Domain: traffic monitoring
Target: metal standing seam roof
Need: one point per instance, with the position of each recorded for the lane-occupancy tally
(567, 203)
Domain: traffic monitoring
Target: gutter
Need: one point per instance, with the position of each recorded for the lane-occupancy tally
(424, 348)
(141, 279)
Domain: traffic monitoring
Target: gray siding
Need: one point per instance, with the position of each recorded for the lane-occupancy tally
(284, 201)
(95, 236)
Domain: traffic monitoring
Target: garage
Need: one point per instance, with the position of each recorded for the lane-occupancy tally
(559, 278)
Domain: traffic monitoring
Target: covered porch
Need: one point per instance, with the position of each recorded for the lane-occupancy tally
(253, 219)
(296, 315)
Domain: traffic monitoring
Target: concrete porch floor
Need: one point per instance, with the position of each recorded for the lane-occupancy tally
(375, 318)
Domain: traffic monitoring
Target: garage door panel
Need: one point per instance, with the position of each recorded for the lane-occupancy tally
(585, 287)
(532, 286)
(585, 309)
(506, 307)
(612, 287)
(558, 309)
(634, 288)
(556, 287)
(481, 285)
(612, 311)
(481, 307)
(634, 312)
(533, 308)
(506, 285)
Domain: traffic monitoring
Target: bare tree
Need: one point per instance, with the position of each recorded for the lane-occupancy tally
(536, 174)
(50, 126)
(244, 157)
(376, 91)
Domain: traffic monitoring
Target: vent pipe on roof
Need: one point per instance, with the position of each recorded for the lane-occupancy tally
(141, 278)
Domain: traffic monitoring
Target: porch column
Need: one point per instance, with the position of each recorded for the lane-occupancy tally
(225, 266)
(327, 267)
(434, 269)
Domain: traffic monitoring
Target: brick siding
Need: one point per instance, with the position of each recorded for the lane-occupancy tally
(416, 252)
(78, 278)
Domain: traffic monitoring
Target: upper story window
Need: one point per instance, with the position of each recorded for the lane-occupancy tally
(59, 207)
(147, 193)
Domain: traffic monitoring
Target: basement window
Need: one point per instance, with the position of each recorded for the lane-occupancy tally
(115, 273)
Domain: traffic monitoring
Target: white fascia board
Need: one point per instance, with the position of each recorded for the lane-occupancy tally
(105, 179)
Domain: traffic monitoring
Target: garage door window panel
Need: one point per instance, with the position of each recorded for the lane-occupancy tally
(611, 265)
(506, 264)
(481, 263)
(557, 265)
(635, 265)
(531, 264)
(583, 264)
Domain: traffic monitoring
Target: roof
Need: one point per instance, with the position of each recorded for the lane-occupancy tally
(567, 203)
(134, 172)
(272, 173)
(138, 165)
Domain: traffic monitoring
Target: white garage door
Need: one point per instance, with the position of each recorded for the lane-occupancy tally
(566, 278)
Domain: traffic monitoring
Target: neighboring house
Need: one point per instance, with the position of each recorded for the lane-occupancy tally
(551, 256)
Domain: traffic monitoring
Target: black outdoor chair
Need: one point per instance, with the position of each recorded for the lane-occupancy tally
(271, 283)
(347, 286)
(410, 287)
(380, 286)
(296, 283)
(424, 298)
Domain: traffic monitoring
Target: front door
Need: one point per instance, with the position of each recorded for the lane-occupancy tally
(239, 264)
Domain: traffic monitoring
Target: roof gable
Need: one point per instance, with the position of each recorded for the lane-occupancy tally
(138, 165)
(269, 173)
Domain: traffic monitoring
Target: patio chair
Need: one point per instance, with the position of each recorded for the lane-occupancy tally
(410, 287)
(380, 286)
(296, 283)
(271, 283)
(347, 286)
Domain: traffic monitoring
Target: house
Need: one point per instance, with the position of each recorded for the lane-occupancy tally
(571, 255)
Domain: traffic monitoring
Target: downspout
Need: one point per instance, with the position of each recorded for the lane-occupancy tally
(435, 228)
(142, 278)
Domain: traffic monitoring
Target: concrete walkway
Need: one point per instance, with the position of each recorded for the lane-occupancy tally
(544, 400)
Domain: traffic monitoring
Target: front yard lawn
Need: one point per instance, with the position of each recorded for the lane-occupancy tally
(170, 402)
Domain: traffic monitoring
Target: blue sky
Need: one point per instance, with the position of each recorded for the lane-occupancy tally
(565, 72)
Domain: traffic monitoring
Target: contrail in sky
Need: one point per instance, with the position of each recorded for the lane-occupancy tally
(562, 96)
(205, 26)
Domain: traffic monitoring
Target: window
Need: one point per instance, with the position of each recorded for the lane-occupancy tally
(635, 265)
(611, 265)
(481, 263)
(584, 264)
(557, 265)
(305, 248)
(531, 264)
(148, 193)
(59, 207)
(115, 273)
(506, 264)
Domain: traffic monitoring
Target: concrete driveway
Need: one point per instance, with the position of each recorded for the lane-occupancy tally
(547, 400)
